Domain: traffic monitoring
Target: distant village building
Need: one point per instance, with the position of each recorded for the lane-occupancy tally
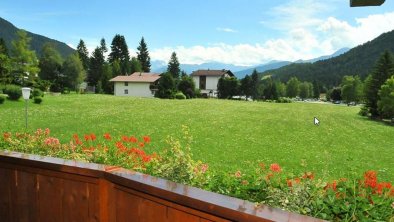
(207, 80)
(139, 84)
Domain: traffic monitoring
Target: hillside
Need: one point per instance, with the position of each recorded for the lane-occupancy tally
(359, 60)
(8, 33)
(279, 64)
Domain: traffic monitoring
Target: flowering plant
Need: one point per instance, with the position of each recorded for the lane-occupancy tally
(362, 199)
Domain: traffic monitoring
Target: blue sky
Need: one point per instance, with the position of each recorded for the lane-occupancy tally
(240, 32)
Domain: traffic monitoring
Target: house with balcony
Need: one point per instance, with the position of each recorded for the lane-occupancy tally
(138, 84)
(207, 80)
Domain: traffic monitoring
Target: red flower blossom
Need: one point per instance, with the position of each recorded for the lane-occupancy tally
(332, 185)
(204, 168)
(133, 139)
(107, 136)
(6, 135)
(93, 137)
(141, 145)
(308, 175)
(370, 179)
(238, 174)
(47, 132)
(38, 132)
(87, 137)
(289, 183)
(146, 139)
(50, 141)
(275, 168)
(125, 139)
(269, 176)
(146, 158)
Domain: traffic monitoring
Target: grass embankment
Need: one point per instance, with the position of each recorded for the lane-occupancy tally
(228, 135)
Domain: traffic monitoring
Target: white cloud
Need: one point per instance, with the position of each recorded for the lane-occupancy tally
(226, 30)
(341, 33)
(304, 40)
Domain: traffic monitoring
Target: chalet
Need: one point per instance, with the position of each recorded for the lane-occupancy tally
(139, 84)
(207, 80)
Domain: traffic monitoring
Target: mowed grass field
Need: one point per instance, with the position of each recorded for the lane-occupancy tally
(228, 135)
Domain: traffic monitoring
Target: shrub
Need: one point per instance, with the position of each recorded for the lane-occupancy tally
(180, 95)
(363, 111)
(14, 92)
(37, 100)
(37, 93)
(2, 98)
(283, 100)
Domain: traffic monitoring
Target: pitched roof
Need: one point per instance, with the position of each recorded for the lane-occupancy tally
(212, 72)
(137, 77)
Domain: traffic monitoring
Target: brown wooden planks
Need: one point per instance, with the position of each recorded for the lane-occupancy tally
(127, 207)
(180, 216)
(25, 197)
(50, 198)
(6, 179)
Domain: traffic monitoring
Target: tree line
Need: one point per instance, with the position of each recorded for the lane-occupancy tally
(21, 66)
(376, 91)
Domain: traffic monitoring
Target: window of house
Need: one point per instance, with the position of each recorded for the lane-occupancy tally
(126, 83)
(126, 91)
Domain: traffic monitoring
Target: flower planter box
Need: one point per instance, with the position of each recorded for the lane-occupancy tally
(37, 188)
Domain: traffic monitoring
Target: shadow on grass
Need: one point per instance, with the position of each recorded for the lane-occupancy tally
(384, 122)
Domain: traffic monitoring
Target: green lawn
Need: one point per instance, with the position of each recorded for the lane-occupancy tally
(229, 135)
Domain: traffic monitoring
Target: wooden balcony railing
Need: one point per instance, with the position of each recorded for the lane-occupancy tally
(36, 188)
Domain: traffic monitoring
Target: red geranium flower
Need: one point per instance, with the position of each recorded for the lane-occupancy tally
(142, 145)
(146, 139)
(275, 168)
(92, 137)
(133, 139)
(107, 136)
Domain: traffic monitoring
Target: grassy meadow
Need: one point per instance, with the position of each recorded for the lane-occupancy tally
(228, 135)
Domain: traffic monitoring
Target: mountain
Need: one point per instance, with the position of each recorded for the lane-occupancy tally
(357, 61)
(279, 64)
(159, 67)
(261, 68)
(335, 54)
(8, 33)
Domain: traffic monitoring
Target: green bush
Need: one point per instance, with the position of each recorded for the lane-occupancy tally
(283, 100)
(363, 111)
(180, 95)
(2, 99)
(14, 92)
(37, 100)
(37, 93)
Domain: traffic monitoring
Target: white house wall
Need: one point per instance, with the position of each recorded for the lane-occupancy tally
(140, 89)
(197, 81)
(212, 83)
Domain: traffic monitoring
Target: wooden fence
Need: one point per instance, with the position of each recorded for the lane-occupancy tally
(36, 188)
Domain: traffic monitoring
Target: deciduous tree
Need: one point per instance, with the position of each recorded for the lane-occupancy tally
(24, 61)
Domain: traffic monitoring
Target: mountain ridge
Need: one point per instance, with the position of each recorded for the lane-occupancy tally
(8, 33)
(357, 61)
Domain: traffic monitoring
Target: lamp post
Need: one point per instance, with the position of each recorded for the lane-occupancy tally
(26, 96)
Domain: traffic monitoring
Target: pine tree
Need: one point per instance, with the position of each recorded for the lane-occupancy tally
(246, 86)
(5, 64)
(96, 68)
(383, 69)
(255, 84)
(103, 46)
(143, 56)
(173, 66)
(120, 52)
(83, 54)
